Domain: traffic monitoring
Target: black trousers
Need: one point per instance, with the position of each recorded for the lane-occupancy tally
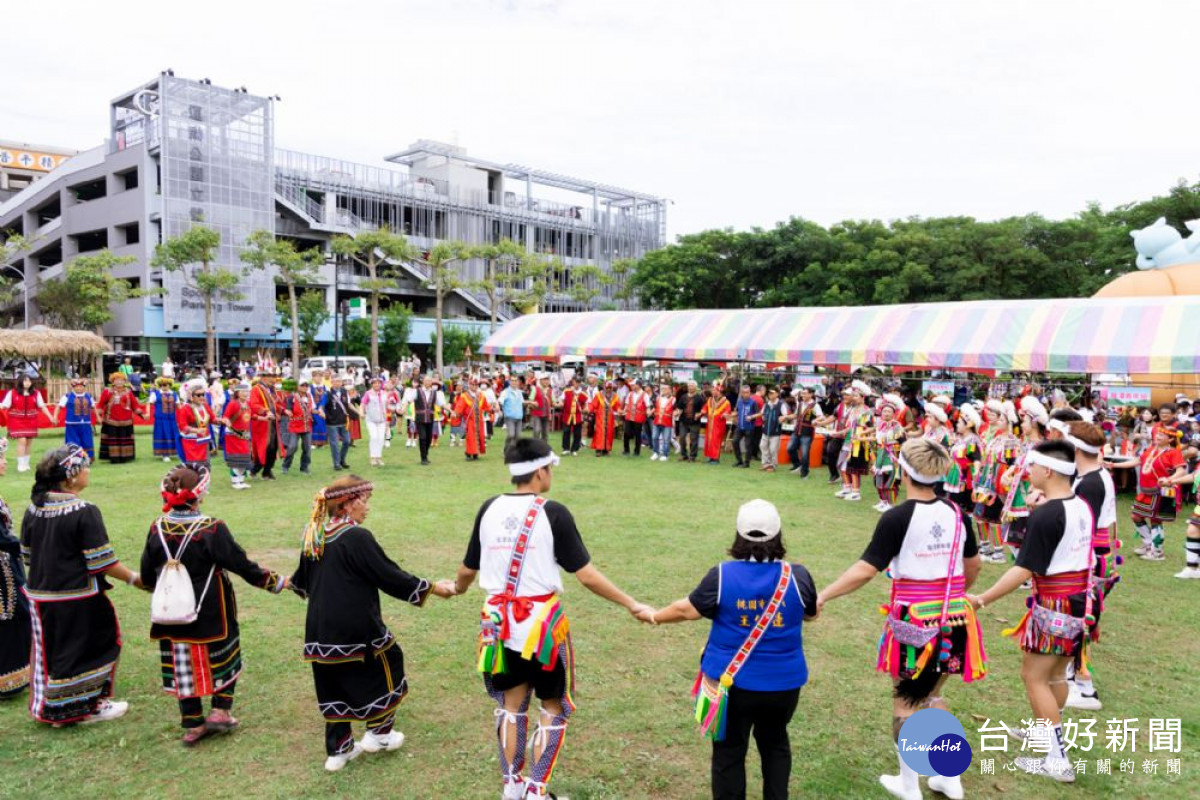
(424, 437)
(689, 438)
(766, 714)
(633, 430)
(756, 444)
(743, 445)
(572, 436)
(272, 453)
(833, 447)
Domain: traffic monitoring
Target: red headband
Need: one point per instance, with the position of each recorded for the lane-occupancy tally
(174, 499)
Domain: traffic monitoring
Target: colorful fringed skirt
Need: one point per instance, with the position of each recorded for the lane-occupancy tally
(200, 670)
(1057, 622)
(858, 461)
(14, 628)
(1155, 505)
(917, 607)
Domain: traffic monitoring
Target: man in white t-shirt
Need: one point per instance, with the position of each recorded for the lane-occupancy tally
(525, 646)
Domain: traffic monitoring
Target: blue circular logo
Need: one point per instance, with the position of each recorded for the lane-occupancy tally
(933, 742)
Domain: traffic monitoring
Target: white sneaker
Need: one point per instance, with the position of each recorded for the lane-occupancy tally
(885, 507)
(1018, 735)
(1189, 573)
(951, 787)
(895, 787)
(854, 496)
(514, 791)
(841, 492)
(1077, 699)
(1141, 549)
(374, 743)
(336, 763)
(166, 459)
(1154, 554)
(1057, 768)
(107, 710)
(654, 456)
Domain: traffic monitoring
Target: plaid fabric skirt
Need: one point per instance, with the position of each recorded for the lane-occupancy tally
(199, 670)
(116, 442)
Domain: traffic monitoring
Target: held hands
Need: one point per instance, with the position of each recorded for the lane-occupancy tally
(445, 588)
(975, 600)
(641, 612)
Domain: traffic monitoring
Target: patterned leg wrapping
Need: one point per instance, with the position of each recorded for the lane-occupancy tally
(550, 735)
(339, 738)
(519, 720)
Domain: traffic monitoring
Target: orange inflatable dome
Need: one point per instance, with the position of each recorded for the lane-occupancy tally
(1179, 279)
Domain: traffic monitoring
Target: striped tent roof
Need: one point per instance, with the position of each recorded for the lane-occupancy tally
(1120, 335)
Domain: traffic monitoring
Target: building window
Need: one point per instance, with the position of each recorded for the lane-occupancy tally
(91, 190)
(129, 179)
(92, 240)
(128, 234)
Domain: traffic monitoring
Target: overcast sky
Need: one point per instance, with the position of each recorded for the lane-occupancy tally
(742, 113)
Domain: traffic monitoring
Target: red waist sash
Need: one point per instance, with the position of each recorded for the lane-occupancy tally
(520, 606)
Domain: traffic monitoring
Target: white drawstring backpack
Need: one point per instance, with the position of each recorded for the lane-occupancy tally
(174, 600)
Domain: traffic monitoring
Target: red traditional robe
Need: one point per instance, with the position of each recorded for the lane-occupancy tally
(472, 411)
(262, 403)
(602, 407)
(238, 414)
(194, 435)
(714, 429)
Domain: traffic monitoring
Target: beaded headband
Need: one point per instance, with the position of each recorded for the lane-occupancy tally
(75, 461)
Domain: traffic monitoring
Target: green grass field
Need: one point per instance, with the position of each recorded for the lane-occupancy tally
(655, 529)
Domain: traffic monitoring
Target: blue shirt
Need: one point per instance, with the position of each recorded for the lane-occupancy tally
(513, 403)
(745, 407)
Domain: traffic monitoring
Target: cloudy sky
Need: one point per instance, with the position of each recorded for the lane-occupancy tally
(742, 113)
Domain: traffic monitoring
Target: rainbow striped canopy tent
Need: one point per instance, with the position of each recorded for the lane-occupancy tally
(1094, 335)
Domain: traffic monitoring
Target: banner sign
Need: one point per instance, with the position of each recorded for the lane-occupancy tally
(938, 387)
(1126, 395)
(807, 380)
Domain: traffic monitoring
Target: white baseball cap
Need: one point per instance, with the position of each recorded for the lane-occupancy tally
(761, 517)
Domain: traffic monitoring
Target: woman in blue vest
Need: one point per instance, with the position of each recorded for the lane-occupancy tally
(753, 665)
(77, 418)
(166, 432)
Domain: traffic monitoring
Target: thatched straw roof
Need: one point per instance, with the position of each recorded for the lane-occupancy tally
(42, 342)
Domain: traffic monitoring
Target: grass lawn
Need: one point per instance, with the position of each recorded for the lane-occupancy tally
(655, 529)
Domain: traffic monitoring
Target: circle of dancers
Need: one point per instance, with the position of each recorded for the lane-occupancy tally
(1028, 479)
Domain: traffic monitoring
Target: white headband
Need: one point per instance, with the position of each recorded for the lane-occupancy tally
(917, 476)
(1060, 426)
(530, 467)
(1055, 464)
(1081, 445)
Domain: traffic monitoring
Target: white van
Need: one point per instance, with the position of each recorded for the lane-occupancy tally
(344, 363)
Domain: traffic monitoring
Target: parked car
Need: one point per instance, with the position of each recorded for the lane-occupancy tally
(339, 363)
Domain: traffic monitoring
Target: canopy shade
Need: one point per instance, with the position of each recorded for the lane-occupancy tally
(42, 342)
(1119, 335)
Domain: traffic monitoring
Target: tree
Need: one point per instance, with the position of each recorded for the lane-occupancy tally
(618, 275)
(456, 341)
(311, 313)
(84, 296)
(192, 254)
(585, 282)
(394, 332)
(292, 268)
(443, 279)
(357, 337)
(374, 250)
(10, 286)
(503, 265)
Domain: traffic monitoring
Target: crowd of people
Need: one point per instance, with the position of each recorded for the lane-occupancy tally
(1025, 481)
